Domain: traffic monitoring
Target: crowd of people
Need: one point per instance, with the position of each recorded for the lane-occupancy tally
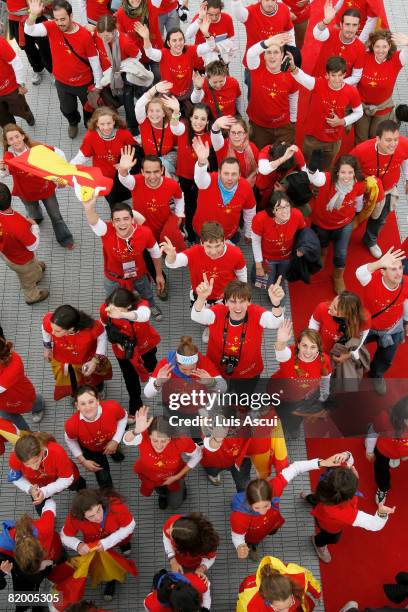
(319, 154)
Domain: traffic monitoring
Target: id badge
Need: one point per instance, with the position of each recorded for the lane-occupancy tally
(129, 269)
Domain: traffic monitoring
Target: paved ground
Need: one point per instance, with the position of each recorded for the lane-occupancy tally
(76, 278)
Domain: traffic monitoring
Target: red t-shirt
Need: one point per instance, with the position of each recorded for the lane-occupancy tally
(8, 81)
(19, 394)
(178, 385)
(353, 53)
(15, 236)
(257, 526)
(301, 378)
(77, 348)
(377, 296)
(153, 605)
(46, 535)
(302, 13)
(178, 69)
(66, 67)
(146, 336)
(338, 217)
(267, 181)
(116, 517)
(226, 97)
(329, 329)
(229, 453)
(154, 204)
(186, 157)
(326, 101)
(106, 153)
(211, 208)
(116, 251)
(186, 560)
(269, 104)
(240, 156)
(250, 363)
(386, 167)
(260, 26)
(334, 518)
(97, 8)
(224, 26)
(277, 239)
(388, 444)
(156, 140)
(56, 464)
(222, 269)
(127, 25)
(95, 435)
(28, 186)
(378, 80)
(127, 46)
(157, 467)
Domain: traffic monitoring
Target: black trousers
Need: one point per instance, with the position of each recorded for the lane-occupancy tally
(382, 473)
(190, 190)
(150, 266)
(103, 477)
(323, 537)
(68, 96)
(77, 485)
(37, 48)
(132, 380)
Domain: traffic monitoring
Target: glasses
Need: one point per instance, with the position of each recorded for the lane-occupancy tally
(237, 133)
(285, 609)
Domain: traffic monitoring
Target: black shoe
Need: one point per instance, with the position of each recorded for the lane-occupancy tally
(118, 456)
(185, 493)
(396, 593)
(109, 590)
(402, 578)
(162, 502)
(30, 119)
(126, 549)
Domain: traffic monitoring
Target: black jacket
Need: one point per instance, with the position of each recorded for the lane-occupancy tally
(302, 268)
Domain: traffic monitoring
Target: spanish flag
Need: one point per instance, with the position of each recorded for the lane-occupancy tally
(8, 433)
(69, 578)
(42, 161)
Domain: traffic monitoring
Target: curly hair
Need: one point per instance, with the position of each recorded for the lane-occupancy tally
(194, 534)
(382, 35)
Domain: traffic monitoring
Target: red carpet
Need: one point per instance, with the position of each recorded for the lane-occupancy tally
(363, 560)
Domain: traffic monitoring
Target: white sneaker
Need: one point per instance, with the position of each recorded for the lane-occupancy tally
(215, 480)
(206, 335)
(350, 605)
(394, 463)
(375, 251)
(37, 77)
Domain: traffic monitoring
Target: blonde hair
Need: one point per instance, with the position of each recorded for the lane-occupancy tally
(28, 552)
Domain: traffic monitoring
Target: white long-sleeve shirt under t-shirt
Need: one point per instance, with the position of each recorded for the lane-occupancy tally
(285, 354)
(129, 182)
(207, 317)
(109, 542)
(181, 261)
(100, 228)
(192, 459)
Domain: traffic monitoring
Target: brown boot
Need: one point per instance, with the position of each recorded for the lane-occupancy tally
(338, 281)
(323, 255)
(43, 294)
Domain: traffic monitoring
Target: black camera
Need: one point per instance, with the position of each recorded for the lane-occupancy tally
(230, 363)
(129, 348)
(285, 64)
(182, 12)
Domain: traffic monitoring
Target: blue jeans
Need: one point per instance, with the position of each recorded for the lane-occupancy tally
(62, 233)
(275, 268)
(168, 21)
(241, 476)
(18, 419)
(374, 226)
(340, 238)
(142, 285)
(383, 356)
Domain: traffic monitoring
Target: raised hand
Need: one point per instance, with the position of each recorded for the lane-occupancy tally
(329, 11)
(142, 30)
(172, 103)
(142, 420)
(276, 293)
(278, 39)
(6, 567)
(201, 149)
(164, 373)
(163, 87)
(401, 40)
(36, 7)
(205, 289)
(391, 257)
(198, 80)
(335, 460)
(224, 122)
(285, 331)
(127, 158)
(169, 249)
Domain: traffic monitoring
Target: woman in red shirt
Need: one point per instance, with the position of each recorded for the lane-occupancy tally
(161, 465)
(158, 117)
(339, 198)
(304, 373)
(103, 519)
(255, 512)
(125, 313)
(389, 447)
(102, 145)
(196, 123)
(75, 345)
(335, 506)
(236, 145)
(40, 467)
(190, 543)
(29, 548)
(224, 451)
(181, 592)
(94, 433)
(17, 393)
(380, 72)
(273, 235)
(31, 189)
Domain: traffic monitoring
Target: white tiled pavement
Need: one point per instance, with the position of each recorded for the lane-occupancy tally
(76, 278)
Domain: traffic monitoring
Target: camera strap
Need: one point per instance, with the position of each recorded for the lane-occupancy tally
(242, 339)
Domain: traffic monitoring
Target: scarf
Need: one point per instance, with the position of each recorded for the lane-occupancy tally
(341, 190)
(111, 136)
(239, 503)
(249, 159)
(116, 81)
(141, 12)
(226, 194)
